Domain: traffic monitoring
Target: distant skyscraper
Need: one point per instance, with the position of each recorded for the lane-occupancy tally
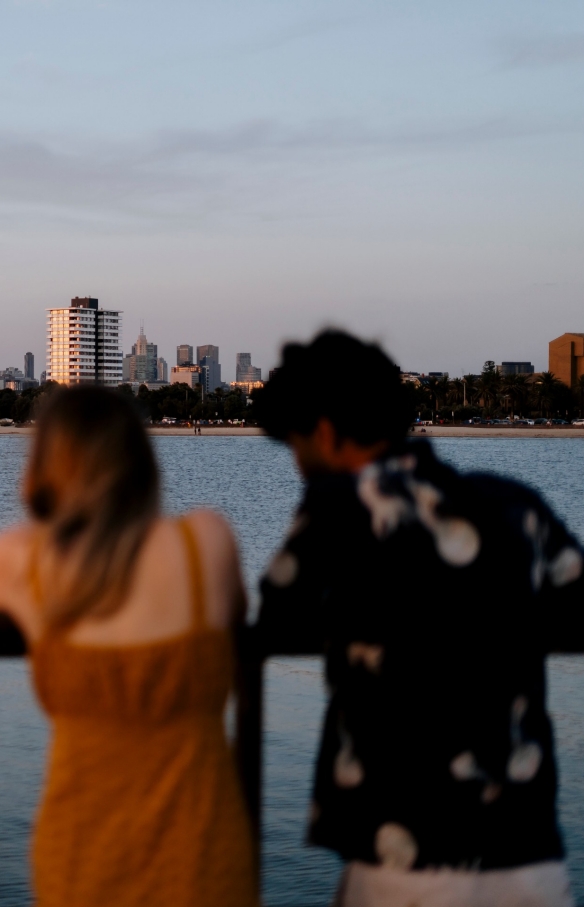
(83, 344)
(142, 363)
(162, 369)
(208, 359)
(29, 365)
(186, 374)
(245, 372)
(184, 354)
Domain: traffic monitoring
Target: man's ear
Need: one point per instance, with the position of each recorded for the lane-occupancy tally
(326, 437)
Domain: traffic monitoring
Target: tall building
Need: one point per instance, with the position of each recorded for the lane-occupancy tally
(567, 358)
(29, 366)
(516, 368)
(184, 354)
(208, 360)
(83, 344)
(245, 372)
(162, 369)
(141, 364)
(186, 374)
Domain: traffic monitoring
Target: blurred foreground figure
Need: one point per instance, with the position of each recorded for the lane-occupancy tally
(128, 619)
(436, 775)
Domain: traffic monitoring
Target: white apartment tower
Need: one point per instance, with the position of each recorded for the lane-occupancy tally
(83, 344)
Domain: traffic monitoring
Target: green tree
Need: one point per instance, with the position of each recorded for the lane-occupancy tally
(7, 400)
(547, 391)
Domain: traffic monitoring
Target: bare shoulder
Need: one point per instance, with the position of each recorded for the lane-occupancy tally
(213, 531)
(14, 550)
(225, 597)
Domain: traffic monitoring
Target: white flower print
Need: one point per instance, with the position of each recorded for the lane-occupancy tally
(565, 567)
(283, 570)
(387, 511)
(348, 771)
(395, 846)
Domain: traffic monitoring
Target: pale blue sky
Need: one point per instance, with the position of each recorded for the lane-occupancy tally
(243, 172)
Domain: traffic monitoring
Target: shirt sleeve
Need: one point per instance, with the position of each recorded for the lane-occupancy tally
(296, 588)
(559, 565)
(293, 589)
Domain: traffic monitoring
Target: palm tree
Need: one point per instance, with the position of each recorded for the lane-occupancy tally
(546, 388)
(442, 390)
(579, 392)
(456, 392)
(470, 383)
(489, 386)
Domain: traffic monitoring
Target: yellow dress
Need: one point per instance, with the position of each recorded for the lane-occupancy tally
(142, 804)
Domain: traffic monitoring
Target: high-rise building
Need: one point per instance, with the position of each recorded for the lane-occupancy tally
(184, 354)
(245, 372)
(83, 344)
(162, 369)
(29, 366)
(208, 360)
(186, 374)
(141, 364)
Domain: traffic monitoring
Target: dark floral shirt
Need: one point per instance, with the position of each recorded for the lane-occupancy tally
(435, 597)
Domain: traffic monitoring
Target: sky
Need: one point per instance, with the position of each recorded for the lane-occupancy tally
(243, 172)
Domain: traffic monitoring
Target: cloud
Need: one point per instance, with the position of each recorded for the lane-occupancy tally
(298, 31)
(191, 175)
(548, 50)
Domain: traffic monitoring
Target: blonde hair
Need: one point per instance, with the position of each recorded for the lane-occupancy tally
(91, 488)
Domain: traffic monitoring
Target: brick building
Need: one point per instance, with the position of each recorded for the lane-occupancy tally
(567, 358)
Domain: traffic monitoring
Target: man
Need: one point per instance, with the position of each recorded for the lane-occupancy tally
(437, 750)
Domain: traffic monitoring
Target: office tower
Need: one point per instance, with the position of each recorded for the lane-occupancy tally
(208, 360)
(141, 364)
(566, 358)
(184, 354)
(186, 374)
(162, 369)
(83, 344)
(245, 372)
(272, 373)
(29, 366)
(43, 377)
(516, 368)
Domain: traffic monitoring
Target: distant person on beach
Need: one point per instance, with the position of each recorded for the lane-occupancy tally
(129, 619)
(436, 776)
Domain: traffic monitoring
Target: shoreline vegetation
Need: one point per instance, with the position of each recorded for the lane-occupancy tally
(432, 431)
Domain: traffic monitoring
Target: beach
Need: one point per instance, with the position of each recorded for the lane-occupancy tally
(431, 431)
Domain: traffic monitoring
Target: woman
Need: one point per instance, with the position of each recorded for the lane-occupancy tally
(128, 617)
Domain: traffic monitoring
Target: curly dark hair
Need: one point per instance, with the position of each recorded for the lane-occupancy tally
(338, 377)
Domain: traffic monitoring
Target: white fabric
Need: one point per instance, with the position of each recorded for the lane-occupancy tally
(537, 885)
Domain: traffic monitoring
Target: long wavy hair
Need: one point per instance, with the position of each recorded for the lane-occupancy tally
(91, 487)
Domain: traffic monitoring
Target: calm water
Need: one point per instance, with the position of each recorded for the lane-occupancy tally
(253, 481)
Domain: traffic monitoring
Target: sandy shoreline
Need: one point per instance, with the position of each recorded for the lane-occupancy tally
(432, 431)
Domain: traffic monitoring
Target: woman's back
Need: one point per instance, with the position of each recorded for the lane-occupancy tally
(142, 804)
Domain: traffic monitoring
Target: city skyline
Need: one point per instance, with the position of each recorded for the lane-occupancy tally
(410, 172)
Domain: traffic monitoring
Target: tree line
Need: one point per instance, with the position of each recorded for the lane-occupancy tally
(489, 394)
(494, 395)
(176, 401)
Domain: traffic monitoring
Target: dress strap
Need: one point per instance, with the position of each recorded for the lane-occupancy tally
(195, 571)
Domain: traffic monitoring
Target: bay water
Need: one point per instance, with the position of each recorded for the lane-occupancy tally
(254, 482)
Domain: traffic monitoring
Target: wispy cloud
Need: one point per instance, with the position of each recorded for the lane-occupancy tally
(297, 31)
(186, 175)
(545, 50)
